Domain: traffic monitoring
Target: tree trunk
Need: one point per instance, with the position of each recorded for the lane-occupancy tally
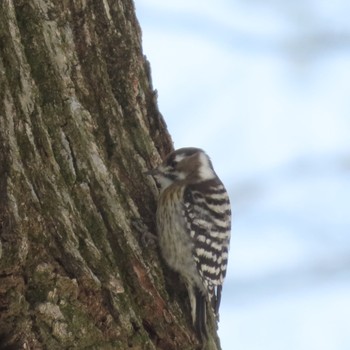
(79, 125)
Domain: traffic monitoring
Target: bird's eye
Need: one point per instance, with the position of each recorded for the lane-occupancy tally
(173, 163)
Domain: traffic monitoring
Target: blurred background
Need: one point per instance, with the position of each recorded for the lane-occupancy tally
(263, 86)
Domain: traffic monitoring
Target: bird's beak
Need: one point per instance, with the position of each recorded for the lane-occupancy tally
(151, 172)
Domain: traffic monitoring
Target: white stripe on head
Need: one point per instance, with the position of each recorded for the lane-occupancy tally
(205, 170)
(179, 158)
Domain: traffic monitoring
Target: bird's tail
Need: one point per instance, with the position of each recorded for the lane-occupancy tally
(200, 314)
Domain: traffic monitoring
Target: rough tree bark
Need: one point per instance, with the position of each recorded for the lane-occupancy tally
(79, 125)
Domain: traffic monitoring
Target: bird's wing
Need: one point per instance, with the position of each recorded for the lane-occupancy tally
(208, 218)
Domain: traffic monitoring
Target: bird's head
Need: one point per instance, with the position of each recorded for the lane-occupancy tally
(185, 164)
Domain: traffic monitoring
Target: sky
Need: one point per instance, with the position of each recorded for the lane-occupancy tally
(263, 87)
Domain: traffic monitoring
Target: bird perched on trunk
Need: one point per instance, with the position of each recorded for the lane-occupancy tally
(193, 224)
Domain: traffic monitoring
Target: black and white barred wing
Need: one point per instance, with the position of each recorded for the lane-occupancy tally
(208, 216)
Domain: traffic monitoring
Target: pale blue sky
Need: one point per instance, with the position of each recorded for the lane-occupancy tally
(263, 87)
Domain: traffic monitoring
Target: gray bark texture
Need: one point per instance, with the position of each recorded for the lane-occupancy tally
(79, 125)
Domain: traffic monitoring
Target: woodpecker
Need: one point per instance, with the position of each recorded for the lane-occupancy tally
(193, 225)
